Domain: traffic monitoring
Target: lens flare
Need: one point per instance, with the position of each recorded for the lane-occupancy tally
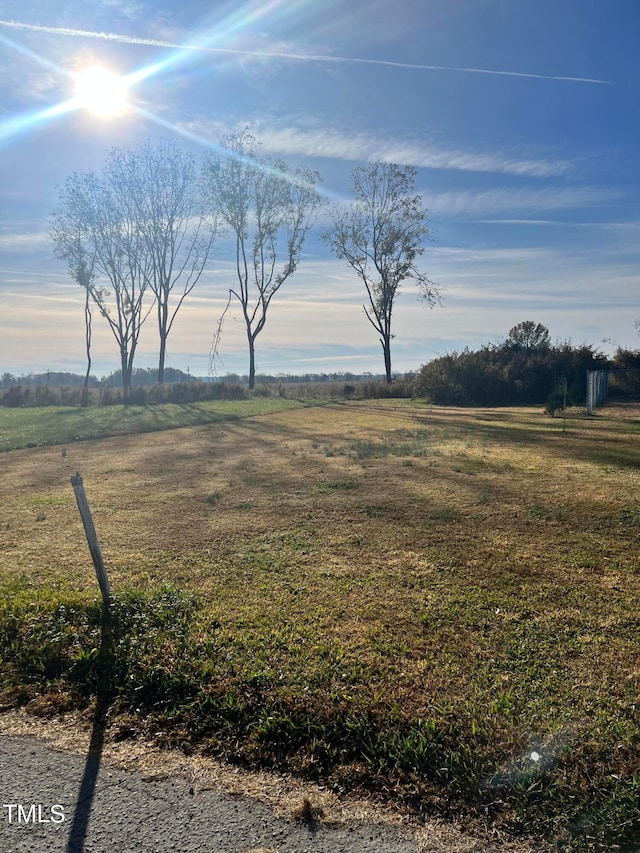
(101, 91)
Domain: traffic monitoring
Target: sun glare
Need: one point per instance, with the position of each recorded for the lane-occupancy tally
(101, 91)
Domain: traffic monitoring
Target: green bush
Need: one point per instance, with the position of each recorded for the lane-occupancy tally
(508, 374)
(16, 396)
(556, 401)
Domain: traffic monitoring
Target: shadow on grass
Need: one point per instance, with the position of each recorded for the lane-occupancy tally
(105, 691)
(611, 448)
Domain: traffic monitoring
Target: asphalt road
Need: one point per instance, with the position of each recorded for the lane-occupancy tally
(59, 802)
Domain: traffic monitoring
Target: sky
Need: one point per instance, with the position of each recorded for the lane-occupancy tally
(522, 118)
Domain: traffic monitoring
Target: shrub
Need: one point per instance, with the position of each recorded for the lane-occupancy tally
(110, 396)
(381, 389)
(503, 375)
(16, 396)
(69, 396)
(555, 401)
(262, 390)
(46, 396)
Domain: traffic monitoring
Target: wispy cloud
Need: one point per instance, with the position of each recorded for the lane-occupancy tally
(20, 241)
(549, 274)
(521, 200)
(298, 57)
(336, 144)
(550, 222)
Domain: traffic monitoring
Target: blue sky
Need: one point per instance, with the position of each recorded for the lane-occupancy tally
(523, 119)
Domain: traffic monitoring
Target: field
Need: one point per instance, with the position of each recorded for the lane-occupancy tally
(34, 427)
(437, 606)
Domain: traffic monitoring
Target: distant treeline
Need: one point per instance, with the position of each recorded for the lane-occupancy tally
(197, 390)
(524, 369)
(149, 376)
(54, 379)
(57, 379)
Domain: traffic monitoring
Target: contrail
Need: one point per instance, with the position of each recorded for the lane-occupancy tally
(298, 57)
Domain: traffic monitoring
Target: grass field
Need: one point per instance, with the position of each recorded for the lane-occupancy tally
(436, 605)
(37, 427)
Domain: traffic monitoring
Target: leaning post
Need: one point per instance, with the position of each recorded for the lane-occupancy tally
(92, 539)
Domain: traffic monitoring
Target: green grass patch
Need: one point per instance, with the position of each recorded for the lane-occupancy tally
(336, 486)
(273, 692)
(540, 512)
(410, 443)
(36, 427)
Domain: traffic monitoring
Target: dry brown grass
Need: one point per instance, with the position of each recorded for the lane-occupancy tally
(476, 566)
(493, 488)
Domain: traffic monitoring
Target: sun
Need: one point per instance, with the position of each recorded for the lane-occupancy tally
(101, 91)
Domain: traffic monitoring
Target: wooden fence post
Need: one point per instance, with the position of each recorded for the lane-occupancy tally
(92, 539)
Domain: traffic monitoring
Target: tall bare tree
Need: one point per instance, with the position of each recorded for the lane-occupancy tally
(96, 220)
(269, 210)
(81, 271)
(87, 333)
(166, 193)
(380, 235)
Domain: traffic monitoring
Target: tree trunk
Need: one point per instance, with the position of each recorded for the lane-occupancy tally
(87, 332)
(386, 348)
(126, 375)
(163, 314)
(252, 363)
(163, 352)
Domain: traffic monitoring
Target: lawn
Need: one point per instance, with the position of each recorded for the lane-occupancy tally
(36, 427)
(438, 606)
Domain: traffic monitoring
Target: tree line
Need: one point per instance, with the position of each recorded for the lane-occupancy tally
(138, 236)
(524, 368)
(147, 376)
(108, 392)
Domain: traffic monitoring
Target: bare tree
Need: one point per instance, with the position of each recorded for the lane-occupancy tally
(166, 192)
(269, 210)
(96, 219)
(380, 235)
(81, 271)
